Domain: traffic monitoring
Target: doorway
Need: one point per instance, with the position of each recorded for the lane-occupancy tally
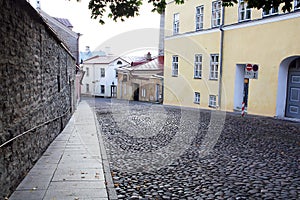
(293, 91)
(136, 93)
(241, 88)
(113, 91)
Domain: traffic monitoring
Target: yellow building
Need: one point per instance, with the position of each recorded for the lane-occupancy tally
(219, 57)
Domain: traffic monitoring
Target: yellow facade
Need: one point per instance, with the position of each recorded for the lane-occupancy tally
(269, 42)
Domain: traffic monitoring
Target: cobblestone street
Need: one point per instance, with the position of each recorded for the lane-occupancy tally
(161, 152)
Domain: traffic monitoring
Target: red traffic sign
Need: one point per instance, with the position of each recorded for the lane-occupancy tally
(249, 67)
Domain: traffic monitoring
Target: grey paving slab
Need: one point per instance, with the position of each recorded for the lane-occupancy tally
(28, 194)
(72, 194)
(77, 185)
(78, 174)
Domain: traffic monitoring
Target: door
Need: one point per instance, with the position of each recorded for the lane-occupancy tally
(293, 91)
(113, 91)
(136, 93)
(246, 89)
(157, 92)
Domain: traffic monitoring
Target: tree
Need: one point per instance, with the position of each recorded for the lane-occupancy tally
(121, 9)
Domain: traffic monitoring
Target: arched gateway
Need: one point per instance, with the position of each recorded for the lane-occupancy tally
(288, 95)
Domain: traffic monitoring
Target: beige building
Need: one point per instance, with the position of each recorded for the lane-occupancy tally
(142, 82)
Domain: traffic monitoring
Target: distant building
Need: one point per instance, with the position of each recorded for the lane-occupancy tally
(100, 77)
(89, 54)
(219, 57)
(141, 82)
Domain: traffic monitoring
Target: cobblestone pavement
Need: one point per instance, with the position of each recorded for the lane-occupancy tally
(160, 152)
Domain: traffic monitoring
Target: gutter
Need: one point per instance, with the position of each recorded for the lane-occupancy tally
(221, 59)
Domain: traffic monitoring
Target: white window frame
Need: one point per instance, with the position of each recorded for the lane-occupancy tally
(272, 11)
(197, 97)
(198, 66)
(102, 87)
(102, 72)
(214, 66)
(244, 11)
(175, 65)
(199, 17)
(176, 23)
(143, 92)
(296, 2)
(212, 101)
(216, 13)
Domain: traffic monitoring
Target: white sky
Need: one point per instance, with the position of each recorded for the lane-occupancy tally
(95, 34)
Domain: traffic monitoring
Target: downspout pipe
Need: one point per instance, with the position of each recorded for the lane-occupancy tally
(221, 58)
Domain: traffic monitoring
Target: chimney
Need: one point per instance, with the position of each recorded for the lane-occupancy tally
(38, 4)
(148, 56)
(161, 40)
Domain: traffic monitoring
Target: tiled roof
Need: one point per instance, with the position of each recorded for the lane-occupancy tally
(152, 65)
(100, 60)
(64, 21)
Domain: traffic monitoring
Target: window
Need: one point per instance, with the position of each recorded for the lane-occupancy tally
(102, 89)
(214, 66)
(175, 66)
(124, 90)
(297, 5)
(244, 11)
(212, 101)
(102, 70)
(198, 66)
(272, 11)
(216, 14)
(116, 74)
(87, 88)
(124, 77)
(119, 62)
(143, 92)
(176, 23)
(199, 18)
(87, 70)
(197, 98)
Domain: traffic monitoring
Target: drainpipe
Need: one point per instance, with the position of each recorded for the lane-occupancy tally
(221, 58)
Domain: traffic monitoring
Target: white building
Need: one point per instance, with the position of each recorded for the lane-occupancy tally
(100, 77)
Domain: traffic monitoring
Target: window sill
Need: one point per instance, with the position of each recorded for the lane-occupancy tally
(174, 75)
(197, 103)
(213, 79)
(212, 106)
(244, 20)
(270, 15)
(195, 77)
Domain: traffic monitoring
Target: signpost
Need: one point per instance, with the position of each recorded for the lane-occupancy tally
(251, 71)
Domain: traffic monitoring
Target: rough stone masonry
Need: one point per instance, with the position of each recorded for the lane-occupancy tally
(36, 86)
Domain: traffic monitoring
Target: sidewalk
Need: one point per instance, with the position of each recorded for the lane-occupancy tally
(71, 168)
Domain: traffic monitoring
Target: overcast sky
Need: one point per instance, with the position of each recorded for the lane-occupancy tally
(94, 34)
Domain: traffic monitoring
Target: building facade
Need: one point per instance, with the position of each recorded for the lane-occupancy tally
(142, 82)
(100, 78)
(221, 57)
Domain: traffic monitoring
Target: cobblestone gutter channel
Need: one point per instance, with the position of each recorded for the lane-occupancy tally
(253, 157)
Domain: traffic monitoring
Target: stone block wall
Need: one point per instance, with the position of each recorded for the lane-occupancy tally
(36, 86)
